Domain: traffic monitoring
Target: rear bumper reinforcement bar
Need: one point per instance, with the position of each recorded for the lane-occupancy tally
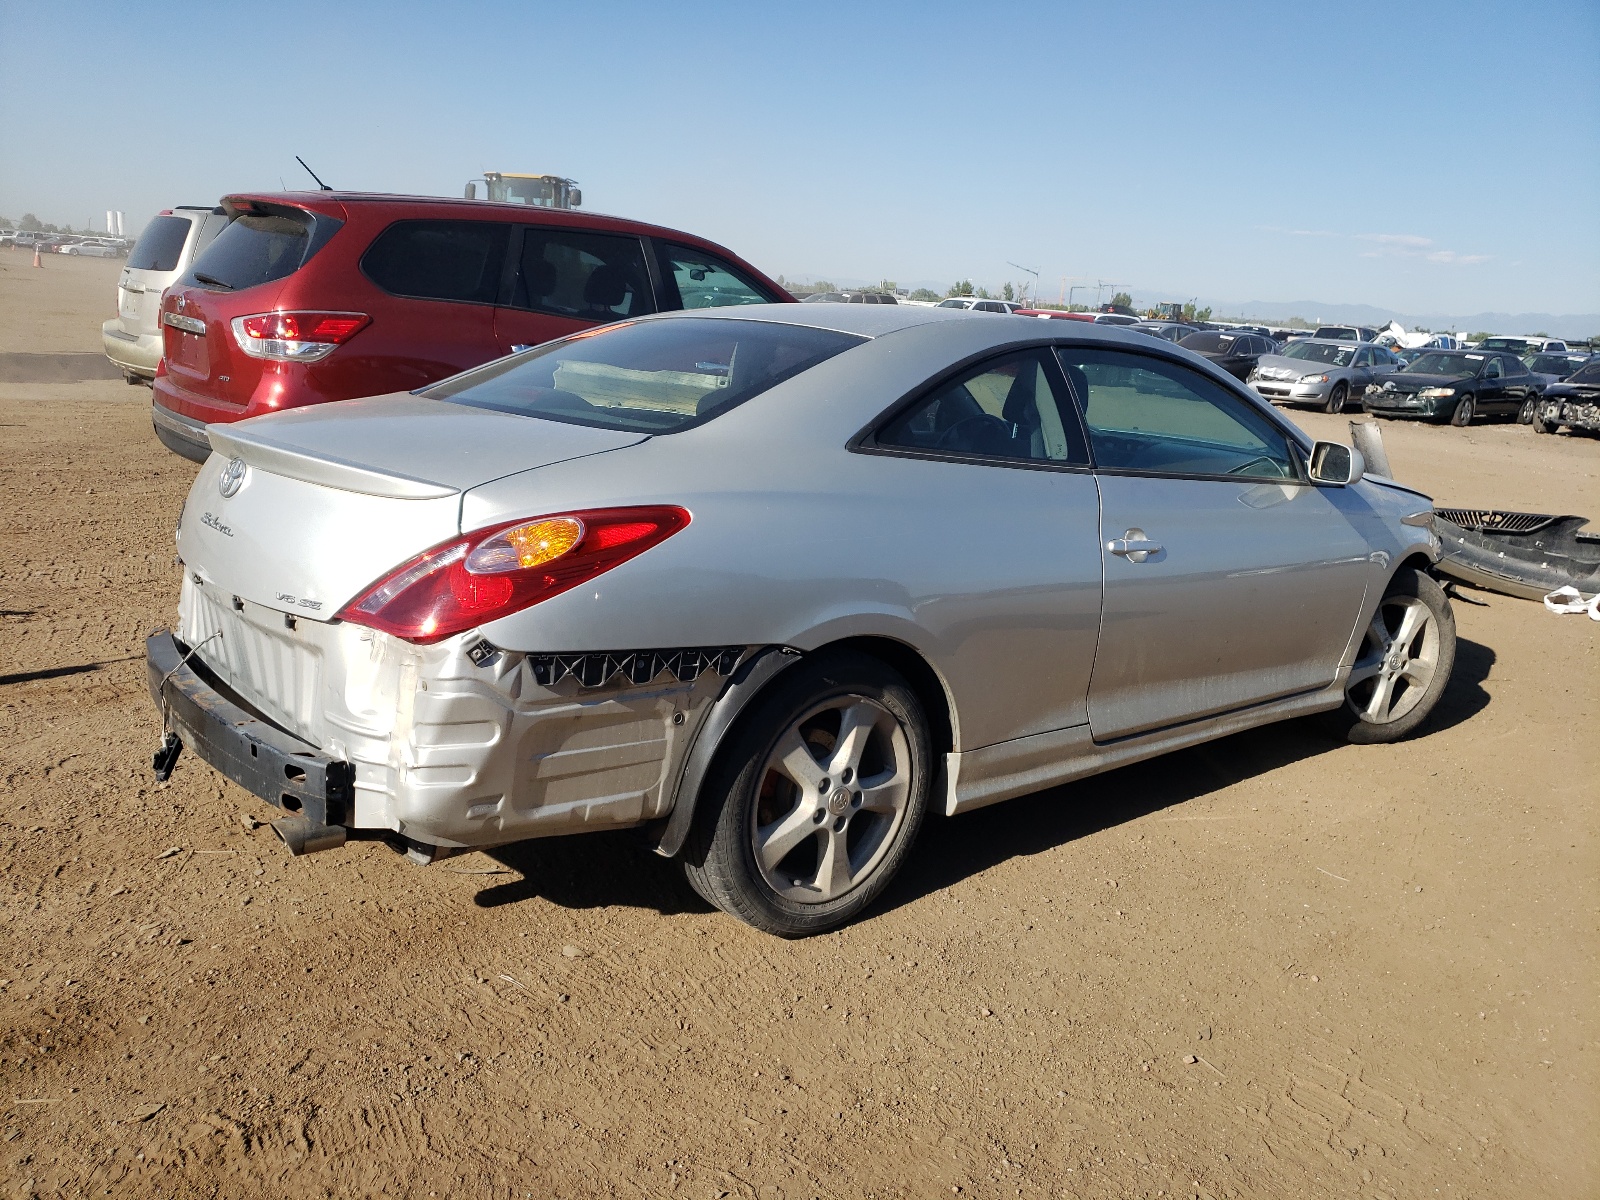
(260, 757)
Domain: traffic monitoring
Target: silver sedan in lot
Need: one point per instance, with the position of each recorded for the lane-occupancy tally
(1324, 372)
(776, 586)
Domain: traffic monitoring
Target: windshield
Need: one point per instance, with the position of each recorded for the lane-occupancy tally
(1333, 356)
(1552, 364)
(649, 376)
(1457, 366)
(1515, 345)
(1589, 374)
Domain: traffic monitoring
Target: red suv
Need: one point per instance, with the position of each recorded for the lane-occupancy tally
(317, 296)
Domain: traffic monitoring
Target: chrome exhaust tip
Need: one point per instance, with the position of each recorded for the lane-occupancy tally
(302, 837)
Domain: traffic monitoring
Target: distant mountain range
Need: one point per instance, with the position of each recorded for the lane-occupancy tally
(1562, 325)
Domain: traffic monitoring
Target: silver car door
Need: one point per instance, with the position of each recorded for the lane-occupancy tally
(1228, 581)
(1005, 482)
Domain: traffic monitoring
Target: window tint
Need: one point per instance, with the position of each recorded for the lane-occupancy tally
(255, 248)
(647, 376)
(1513, 366)
(213, 224)
(705, 281)
(160, 245)
(1145, 414)
(593, 276)
(439, 260)
(1006, 408)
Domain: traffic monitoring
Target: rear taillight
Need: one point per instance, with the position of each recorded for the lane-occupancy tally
(296, 336)
(494, 572)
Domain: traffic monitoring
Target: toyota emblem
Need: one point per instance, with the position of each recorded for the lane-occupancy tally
(231, 478)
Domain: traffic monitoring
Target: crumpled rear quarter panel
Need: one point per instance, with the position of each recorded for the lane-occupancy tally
(447, 751)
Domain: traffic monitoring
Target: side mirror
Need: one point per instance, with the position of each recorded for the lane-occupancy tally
(1336, 465)
(575, 197)
(471, 192)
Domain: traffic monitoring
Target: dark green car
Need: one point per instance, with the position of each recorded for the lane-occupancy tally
(1456, 386)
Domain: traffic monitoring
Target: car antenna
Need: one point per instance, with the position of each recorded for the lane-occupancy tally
(312, 173)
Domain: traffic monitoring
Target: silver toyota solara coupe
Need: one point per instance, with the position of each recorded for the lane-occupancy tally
(773, 584)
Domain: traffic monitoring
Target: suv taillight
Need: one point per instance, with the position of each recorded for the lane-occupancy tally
(494, 572)
(296, 336)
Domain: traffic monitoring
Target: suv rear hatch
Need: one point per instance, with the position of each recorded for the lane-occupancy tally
(241, 273)
(161, 254)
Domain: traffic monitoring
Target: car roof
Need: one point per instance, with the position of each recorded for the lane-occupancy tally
(485, 209)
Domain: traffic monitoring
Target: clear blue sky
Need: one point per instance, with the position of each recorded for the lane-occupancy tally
(1445, 156)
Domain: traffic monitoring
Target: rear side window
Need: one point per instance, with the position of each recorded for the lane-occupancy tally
(255, 248)
(705, 281)
(591, 276)
(160, 246)
(439, 260)
(1008, 408)
(646, 376)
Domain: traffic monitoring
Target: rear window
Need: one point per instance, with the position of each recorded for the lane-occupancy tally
(440, 260)
(256, 248)
(1208, 343)
(160, 245)
(649, 376)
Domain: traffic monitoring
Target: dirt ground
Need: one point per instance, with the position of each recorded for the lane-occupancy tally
(1268, 967)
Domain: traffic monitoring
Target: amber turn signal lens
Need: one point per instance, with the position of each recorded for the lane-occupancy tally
(542, 541)
(525, 546)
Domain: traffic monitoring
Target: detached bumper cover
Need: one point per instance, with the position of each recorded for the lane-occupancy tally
(257, 755)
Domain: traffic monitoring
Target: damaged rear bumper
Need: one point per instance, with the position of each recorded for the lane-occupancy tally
(265, 760)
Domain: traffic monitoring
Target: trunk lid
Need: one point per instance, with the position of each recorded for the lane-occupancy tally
(332, 497)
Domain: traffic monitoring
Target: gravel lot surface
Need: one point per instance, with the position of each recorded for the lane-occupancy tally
(1268, 967)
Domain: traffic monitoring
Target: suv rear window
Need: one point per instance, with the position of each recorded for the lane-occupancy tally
(439, 260)
(646, 376)
(258, 248)
(160, 245)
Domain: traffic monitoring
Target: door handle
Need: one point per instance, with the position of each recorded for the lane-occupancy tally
(1134, 546)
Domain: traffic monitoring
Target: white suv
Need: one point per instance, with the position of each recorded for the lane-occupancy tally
(132, 338)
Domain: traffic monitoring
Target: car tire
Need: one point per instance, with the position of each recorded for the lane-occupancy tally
(1540, 425)
(1461, 414)
(1525, 413)
(1407, 653)
(1336, 399)
(786, 837)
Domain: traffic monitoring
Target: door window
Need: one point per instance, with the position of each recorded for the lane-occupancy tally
(590, 276)
(1153, 416)
(1008, 408)
(1492, 369)
(439, 260)
(704, 281)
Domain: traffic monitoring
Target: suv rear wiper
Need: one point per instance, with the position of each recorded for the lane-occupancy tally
(213, 280)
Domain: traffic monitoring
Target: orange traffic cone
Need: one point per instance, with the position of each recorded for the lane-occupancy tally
(37, 261)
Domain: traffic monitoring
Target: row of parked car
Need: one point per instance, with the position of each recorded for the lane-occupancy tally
(64, 243)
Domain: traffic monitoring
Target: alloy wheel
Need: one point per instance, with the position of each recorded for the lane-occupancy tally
(1399, 656)
(832, 795)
